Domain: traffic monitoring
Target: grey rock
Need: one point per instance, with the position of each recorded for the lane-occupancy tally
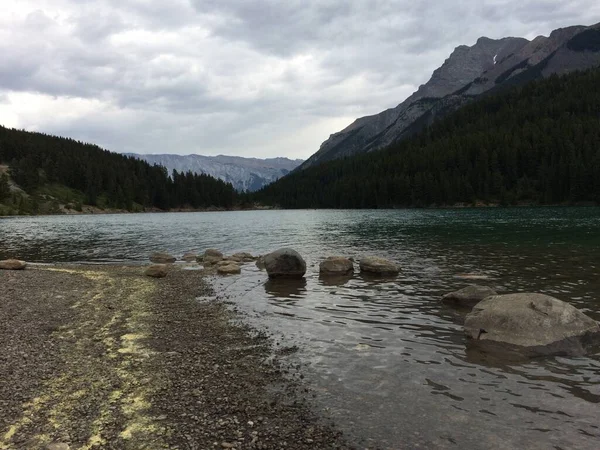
(162, 258)
(468, 296)
(208, 261)
(189, 257)
(336, 265)
(285, 263)
(12, 264)
(534, 324)
(378, 266)
(156, 271)
(260, 262)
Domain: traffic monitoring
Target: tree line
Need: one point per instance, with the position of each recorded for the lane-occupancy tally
(538, 144)
(104, 178)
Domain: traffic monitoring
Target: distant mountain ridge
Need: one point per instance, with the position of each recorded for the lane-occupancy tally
(488, 65)
(245, 174)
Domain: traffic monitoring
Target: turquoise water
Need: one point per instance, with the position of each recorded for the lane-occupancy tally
(384, 356)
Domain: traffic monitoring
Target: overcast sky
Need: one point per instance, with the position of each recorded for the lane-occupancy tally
(241, 77)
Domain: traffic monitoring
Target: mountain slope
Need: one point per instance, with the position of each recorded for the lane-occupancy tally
(245, 174)
(469, 72)
(61, 168)
(536, 143)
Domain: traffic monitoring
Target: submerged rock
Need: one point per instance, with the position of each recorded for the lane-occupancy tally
(378, 266)
(260, 262)
(468, 296)
(189, 257)
(336, 265)
(285, 263)
(228, 269)
(156, 271)
(12, 264)
(534, 324)
(162, 258)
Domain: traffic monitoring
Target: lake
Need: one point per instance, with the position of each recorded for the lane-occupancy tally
(388, 362)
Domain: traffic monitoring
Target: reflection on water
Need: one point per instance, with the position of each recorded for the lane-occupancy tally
(384, 354)
(281, 288)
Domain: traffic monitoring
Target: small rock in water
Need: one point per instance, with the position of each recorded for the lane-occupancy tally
(285, 263)
(533, 324)
(212, 252)
(228, 269)
(12, 264)
(473, 276)
(156, 271)
(260, 262)
(162, 258)
(211, 260)
(378, 266)
(336, 265)
(243, 256)
(468, 296)
(189, 257)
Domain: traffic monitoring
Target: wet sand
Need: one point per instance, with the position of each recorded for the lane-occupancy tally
(104, 357)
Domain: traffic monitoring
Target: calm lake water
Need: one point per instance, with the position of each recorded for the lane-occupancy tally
(386, 358)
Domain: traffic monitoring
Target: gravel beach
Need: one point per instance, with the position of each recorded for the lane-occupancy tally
(104, 357)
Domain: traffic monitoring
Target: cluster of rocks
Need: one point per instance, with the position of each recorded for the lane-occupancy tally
(12, 264)
(533, 324)
(530, 324)
(211, 259)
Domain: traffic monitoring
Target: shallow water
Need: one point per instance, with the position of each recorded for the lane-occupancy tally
(387, 358)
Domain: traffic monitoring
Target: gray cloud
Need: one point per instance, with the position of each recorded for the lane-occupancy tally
(246, 77)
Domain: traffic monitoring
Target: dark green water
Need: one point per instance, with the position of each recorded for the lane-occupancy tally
(386, 358)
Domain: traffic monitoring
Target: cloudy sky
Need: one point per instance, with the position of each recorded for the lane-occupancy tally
(241, 77)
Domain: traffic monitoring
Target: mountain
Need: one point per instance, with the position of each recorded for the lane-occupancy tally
(488, 66)
(245, 174)
(534, 143)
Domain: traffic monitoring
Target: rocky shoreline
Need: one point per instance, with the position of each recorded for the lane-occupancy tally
(105, 357)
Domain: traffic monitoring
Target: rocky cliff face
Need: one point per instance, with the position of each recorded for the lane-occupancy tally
(248, 174)
(468, 72)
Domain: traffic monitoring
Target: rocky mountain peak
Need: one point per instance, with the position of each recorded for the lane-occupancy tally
(465, 64)
(468, 72)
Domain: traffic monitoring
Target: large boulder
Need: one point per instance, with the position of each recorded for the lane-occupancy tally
(378, 266)
(162, 258)
(156, 271)
(285, 263)
(12, 264)
(228, 269)
(534, 324)
(468, 296)
(336, 265)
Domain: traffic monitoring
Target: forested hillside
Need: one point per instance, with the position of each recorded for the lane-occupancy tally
(49, 166)
(539, 143)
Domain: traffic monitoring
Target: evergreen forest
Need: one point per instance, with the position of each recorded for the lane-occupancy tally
(66, 170)
(535, 144)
